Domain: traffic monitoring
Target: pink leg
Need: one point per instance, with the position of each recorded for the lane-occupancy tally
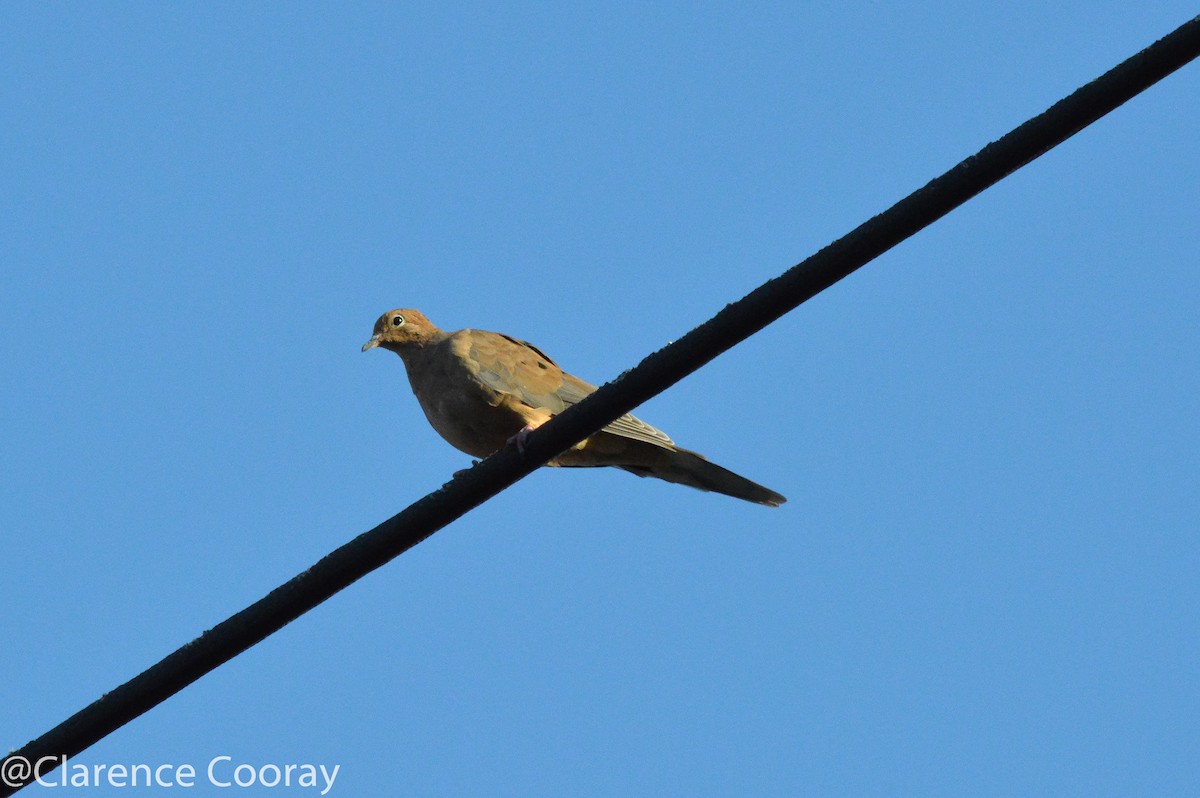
(522, 437)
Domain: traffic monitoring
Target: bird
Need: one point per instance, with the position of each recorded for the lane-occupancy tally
(481, 389)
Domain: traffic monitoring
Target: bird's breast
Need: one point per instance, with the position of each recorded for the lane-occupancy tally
(470, 416)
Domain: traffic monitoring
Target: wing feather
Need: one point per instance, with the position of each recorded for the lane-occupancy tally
(519, 369)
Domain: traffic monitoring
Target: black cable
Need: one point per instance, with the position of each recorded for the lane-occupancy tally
(654, 374)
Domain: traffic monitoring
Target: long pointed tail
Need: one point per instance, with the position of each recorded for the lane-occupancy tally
(689, 468)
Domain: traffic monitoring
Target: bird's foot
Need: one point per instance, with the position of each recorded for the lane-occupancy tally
(522, 438)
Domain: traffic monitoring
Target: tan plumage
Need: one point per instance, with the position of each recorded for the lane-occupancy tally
(478, 389)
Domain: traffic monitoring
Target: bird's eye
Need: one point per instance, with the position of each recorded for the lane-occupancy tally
(397, 320)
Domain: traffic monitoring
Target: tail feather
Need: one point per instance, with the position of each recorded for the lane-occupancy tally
(685, 467)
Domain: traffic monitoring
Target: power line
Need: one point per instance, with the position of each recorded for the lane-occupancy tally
(654, 374)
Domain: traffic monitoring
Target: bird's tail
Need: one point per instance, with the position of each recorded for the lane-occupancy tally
(688, 468)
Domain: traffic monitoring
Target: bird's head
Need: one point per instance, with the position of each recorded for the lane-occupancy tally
(401, 328)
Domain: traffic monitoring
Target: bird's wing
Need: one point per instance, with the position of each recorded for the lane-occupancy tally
(521, 370)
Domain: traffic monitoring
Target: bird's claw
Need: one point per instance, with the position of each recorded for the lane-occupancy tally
(521, 439)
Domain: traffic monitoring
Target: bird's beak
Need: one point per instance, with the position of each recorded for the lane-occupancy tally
(372, 343)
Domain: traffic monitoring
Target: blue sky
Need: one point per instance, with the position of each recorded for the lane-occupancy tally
(984, 582)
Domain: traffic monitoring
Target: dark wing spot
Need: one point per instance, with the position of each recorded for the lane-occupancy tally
(542, 365)
(519, 342)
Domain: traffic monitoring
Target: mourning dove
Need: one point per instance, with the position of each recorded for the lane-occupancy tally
(481, 389)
